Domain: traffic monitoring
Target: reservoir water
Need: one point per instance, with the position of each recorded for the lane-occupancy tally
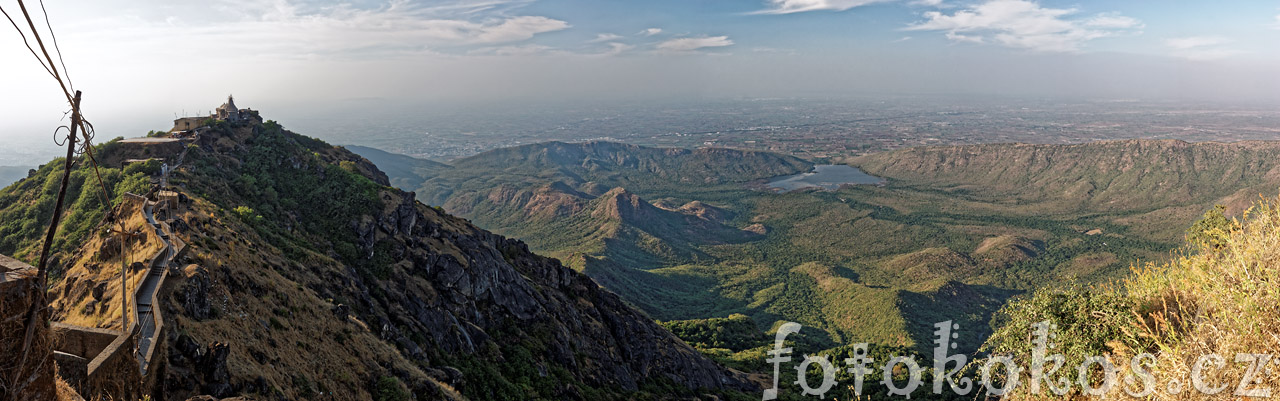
(826, 176)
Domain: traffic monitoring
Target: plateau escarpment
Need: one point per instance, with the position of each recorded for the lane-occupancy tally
(1097, 177)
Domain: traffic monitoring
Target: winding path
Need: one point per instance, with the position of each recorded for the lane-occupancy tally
(147, 289)
(148, 321)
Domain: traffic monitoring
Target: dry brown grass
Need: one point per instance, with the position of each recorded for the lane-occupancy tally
(1217, 301)
(278, 328)
(66, 393)
(72, 307)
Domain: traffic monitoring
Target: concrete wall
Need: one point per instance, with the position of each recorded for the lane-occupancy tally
(186, 123)
(97, 362)
(83, 342)
(102, 363)
(72, 369)
(114, 374)
(75, 347)
(156, 314)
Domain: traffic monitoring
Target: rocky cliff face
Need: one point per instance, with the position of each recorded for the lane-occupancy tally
(321, 268)
(467, 290)
(305, 275)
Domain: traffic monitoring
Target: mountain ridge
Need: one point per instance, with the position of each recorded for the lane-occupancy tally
(434, 303)
(1105, 175)
(954, 233)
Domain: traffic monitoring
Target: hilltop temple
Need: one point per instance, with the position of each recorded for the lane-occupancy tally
(226, 112)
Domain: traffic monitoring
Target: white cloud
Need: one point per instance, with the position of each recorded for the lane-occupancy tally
(615, 49)
(799, 6)
(650, 32)
(1194, 42)
(964, 38)
(509, 51)
(1026, 25)
(1276, 23)
(604, 37)
(290, 29)
(773, 50)
(928, 3)
(509, 30)
(535, 50)
(1209, 54)
(691, 44)
(1201, 48)
(1113, 21)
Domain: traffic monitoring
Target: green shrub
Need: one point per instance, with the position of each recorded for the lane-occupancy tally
(150, 167)
(1090, 322)
(26, 207)
(247, 214)
(737, 332)
(389, 388)
(1212, 230)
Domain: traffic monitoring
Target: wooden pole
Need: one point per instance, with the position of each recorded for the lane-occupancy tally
(42, 271)
(43, 266)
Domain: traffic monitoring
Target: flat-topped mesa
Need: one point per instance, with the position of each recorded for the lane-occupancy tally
(1096, 176)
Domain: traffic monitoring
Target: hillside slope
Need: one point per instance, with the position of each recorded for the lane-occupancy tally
(405, 172)
(308, 274)
(1217, 299)
(613, 159)
(1097, 177)
(595, 167)
(955, 233)
(707, 248)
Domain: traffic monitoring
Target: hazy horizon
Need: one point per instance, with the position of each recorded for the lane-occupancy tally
(141, 63)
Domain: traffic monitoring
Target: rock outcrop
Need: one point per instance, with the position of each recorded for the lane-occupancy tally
(368, 267)
(465, 302)
(195, 295)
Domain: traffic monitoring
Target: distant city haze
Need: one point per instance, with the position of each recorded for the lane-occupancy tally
(403, 65)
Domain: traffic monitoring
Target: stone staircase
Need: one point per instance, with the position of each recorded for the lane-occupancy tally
(148, 318)
(98, 361)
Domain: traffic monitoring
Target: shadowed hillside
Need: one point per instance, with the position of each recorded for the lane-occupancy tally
(955, 233)
(405, 172)
(689, 246)
(305, 273)
(595, 167)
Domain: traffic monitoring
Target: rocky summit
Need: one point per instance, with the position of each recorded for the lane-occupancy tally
(302, 273)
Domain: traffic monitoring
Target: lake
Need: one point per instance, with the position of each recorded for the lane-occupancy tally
(826, 176)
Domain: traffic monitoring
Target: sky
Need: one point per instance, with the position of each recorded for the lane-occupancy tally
(141, 62)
